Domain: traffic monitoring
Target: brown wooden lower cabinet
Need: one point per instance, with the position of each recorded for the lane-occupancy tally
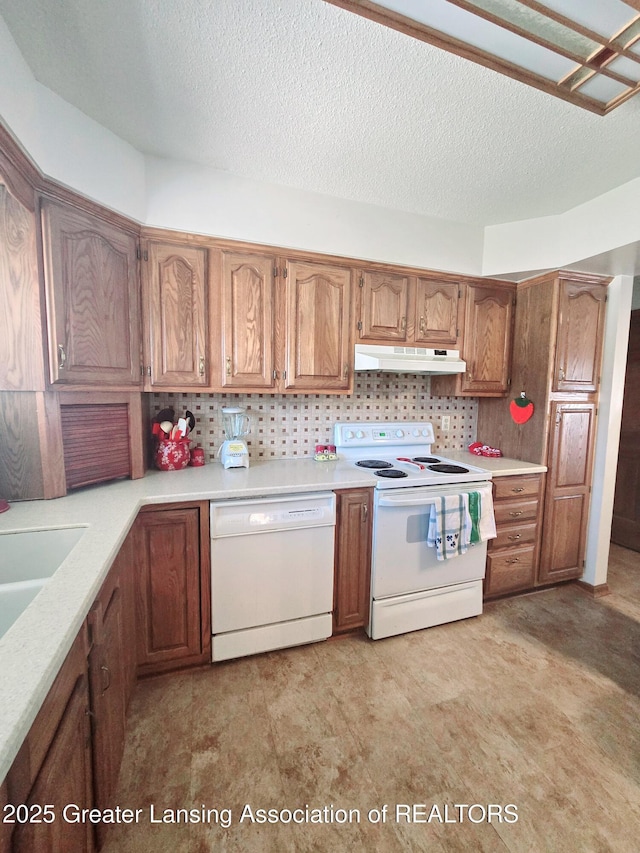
(353, 559)
(173, 586)
(54, 765)
(512, 557)
(568, 491)
(108, 683)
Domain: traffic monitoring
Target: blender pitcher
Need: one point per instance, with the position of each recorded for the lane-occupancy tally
(236, 424)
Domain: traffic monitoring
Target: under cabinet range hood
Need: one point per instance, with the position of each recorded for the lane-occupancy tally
(390, 359)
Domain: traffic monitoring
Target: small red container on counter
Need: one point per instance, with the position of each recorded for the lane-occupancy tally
(197, 457)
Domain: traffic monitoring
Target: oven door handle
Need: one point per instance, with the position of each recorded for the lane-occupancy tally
(418, 500)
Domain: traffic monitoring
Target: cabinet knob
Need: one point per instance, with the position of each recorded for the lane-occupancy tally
(62, 357)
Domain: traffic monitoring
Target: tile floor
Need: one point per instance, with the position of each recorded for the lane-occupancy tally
(536, 703)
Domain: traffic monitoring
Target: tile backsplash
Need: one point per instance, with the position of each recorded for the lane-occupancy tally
(290, 425)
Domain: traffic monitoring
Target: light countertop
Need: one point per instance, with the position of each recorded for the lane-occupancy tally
(34, 648)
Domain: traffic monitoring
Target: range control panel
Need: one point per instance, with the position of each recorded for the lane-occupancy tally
(386, 434)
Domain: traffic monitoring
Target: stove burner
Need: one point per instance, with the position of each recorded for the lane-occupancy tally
(373, 463)
(446, 468)
(426, 459)
(392, 473)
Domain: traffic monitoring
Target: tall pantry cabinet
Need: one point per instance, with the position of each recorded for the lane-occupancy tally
(557, 351)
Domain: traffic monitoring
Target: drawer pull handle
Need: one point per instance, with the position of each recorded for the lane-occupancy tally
(201, 368)
(518, 489)
(62, 357)
(516, 513)
(514, 537)
(228, 360)
(514, 560)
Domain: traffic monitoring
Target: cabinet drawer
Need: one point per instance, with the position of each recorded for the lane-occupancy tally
(515, 487)
(513, 512)
(514, 535)
(509, 571)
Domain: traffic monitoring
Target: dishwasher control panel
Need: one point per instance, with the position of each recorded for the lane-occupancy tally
(237, 518)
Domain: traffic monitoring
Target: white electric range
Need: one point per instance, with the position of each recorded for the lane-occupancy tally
(410, 588)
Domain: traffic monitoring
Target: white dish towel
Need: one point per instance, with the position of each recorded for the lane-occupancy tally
(449, 528)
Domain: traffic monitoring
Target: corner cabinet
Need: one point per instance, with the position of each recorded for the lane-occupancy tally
(352, 581)
(176, 331)
(92, 298)
(172, 587)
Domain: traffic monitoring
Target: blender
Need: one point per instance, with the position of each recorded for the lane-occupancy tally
(233, 451)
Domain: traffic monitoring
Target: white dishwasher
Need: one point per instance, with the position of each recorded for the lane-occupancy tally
(271, 572)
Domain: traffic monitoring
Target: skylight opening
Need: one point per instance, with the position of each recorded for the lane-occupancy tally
(585, 52)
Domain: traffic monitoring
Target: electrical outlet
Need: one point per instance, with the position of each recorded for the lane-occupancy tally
(445, 423)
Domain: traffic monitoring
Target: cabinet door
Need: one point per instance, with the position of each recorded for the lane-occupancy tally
(567, 495)
(21, 354)
(64, 778)
(107, 679)
(384, 300)
(487, 339)
(581, 310)
(248, 330)
(176, 336)
(437, 306)
(169, 600)
(353, 560)
(93, 313)
(318, 352)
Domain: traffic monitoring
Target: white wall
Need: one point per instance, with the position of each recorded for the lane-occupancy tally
(193, 198)
(551, 242)
(65, 143)
(608, 429)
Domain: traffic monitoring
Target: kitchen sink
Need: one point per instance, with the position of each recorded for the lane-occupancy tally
(27, 561)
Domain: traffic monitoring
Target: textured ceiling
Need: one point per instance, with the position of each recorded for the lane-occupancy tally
(302, 93)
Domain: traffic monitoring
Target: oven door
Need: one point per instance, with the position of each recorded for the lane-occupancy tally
(402, 562)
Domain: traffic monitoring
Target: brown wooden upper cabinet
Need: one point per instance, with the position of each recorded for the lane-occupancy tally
(317, 327)
(248, 320)
(383, 306)
(581, 309)
(21, 353)
(438, 313)
(93, 313)
(487, 339)
(176, 340)
(393, 308)
(285, 324)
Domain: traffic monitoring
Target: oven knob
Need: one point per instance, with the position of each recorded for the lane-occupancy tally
(348, 433)
(399, 433)
(425, 432)
(416, 432)
(359, 434)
